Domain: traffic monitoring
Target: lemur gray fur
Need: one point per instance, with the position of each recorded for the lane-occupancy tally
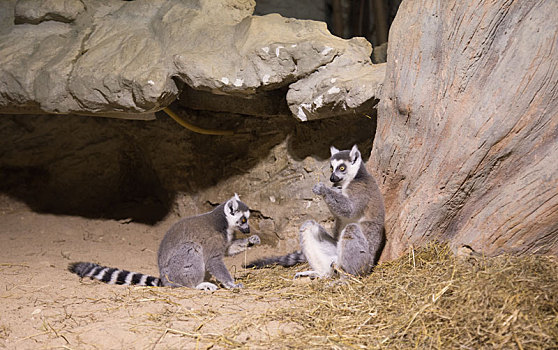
(358, 236)
(190, 248)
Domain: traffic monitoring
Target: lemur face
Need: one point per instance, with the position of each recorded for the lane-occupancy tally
(242, 221)
(237, 214)
(344, 165)
(339, 169)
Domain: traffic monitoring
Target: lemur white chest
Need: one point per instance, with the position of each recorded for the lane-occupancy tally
(230, 234)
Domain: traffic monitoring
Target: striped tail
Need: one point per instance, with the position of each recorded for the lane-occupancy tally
(284, 260)
(112, 276)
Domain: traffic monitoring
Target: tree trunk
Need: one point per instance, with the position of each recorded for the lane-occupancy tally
(466, 149)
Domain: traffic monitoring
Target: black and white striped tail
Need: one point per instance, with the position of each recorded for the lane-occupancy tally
(285, 260)
(112, 276)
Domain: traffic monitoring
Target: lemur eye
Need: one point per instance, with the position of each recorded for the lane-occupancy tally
(243, 220)
(342, 168)
(331, 168)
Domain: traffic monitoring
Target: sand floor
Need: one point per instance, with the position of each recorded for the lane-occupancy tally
(44, 306)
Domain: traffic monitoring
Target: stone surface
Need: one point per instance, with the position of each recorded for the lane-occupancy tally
(466, 148)
(132, 58)
(35, 12)
(148, 171)
(330, 92)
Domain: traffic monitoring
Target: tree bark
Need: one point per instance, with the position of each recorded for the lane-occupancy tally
(466, 149)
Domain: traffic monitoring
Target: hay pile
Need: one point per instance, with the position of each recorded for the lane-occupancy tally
(428, 299)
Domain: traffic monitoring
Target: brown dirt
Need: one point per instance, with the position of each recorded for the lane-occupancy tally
(45, 306)
(425, 299)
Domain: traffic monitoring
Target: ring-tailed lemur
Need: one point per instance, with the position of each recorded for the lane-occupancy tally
(358, 236)
(190, 247)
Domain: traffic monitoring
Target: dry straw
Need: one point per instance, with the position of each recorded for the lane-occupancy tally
(428, 299)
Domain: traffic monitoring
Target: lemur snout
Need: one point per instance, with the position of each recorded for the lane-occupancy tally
(333, 178)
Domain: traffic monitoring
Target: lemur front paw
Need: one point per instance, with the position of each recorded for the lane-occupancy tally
(253, 240)
(319, 189)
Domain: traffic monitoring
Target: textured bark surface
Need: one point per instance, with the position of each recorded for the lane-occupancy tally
(466, 148)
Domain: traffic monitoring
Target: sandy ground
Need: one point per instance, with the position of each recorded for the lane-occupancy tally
(44, 306)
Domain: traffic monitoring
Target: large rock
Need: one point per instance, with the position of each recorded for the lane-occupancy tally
(132, 58)
(342, 86)
(466, 148)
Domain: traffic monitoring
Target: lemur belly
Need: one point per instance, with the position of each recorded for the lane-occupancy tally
(322, 256)
(343, 222)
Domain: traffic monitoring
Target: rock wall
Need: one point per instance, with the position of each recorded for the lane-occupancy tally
(128, 59)
(467, 140)
(211, 62)
(148, 171)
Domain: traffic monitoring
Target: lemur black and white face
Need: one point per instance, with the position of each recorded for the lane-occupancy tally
(237, 214)
(344, 165)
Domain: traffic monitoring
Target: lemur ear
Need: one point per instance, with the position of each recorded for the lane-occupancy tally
(333, 150)
(232, 204)
(355, 154)
(236, 196)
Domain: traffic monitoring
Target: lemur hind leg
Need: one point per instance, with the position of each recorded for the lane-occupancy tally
(353, 251)
(319, 248)
(186, 268)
